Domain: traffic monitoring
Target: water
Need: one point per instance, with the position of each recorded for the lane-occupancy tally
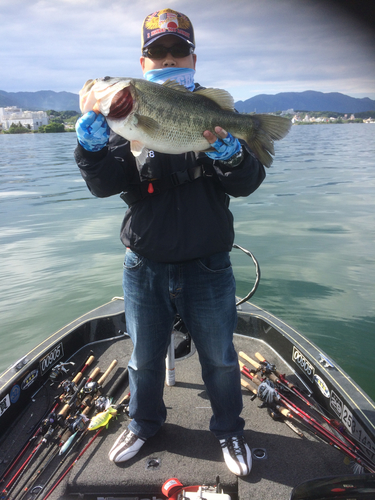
(310, 225)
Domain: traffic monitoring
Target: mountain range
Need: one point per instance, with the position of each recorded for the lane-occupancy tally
(309, 100)
(42, 100)
(305, 101)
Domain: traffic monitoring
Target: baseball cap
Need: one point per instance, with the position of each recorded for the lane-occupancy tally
(167, 22)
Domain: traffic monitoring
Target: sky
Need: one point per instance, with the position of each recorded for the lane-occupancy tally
(248, 47)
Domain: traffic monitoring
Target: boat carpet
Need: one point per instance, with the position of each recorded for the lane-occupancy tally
(186, 449)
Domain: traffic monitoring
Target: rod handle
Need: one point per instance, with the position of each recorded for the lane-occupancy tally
(262, 359)
(107, 372)
(94, 374)
(64, 411)
(77, 378)
(284, 411)
(248, 386)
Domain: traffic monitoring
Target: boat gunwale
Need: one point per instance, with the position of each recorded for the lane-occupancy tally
(358, 402)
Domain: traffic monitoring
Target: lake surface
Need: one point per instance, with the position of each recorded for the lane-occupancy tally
(310, 225)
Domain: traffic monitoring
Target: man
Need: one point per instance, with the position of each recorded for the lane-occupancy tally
(178, 239)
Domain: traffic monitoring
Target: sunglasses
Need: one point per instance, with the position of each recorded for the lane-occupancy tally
(178, 50)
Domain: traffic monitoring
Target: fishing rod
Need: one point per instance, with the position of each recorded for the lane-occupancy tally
(77, 424)
(99, 424)
(268, 393)
(333, 423)
(39, 426)
(67, 422)
(362, 461)
(48, 427)
(42, 465)
(45, 439)
(269, 370)
(60, 420)
(267, 367)
(271, 412)
(273, 374)
(353, 447)
(79, 394)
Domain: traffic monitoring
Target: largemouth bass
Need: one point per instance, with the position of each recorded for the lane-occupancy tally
(170, 119)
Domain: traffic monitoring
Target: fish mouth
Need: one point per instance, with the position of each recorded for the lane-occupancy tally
(121, 105)
(110, 96)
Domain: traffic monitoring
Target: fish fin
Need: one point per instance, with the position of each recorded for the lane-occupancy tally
(172, 84)
(136, 148)
(146, 123)
(220, 96)
(263, 130)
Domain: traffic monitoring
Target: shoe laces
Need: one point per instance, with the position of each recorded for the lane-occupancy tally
(235, 445)
(127, 436)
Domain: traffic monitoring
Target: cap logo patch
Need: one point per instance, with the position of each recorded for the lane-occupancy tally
(167, 19)
(165, 22)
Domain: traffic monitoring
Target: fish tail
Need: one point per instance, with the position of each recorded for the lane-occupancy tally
(261, 134)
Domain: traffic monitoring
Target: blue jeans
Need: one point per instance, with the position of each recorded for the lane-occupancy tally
(202, 292)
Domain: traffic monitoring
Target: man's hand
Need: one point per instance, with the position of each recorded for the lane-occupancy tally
(226, 145)
(92, 131)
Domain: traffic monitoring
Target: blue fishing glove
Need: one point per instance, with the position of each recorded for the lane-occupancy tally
(92, 131)
(226, 148)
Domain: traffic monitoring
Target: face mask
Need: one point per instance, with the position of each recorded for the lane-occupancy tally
(184, 76)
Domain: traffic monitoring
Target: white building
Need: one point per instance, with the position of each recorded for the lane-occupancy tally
(29, 119)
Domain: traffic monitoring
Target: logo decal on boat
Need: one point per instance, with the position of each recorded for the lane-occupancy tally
(336, 404)
(15, 393)
(304, 363)
(50, 359)
(322, 386)
(29, 380)
(4, 404)
(355, 428)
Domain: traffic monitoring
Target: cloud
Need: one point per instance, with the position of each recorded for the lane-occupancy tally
(248, 47)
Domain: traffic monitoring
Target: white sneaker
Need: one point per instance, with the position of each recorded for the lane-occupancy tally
(126, 446)
(237, 455)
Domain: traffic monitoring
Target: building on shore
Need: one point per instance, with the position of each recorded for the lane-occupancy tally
(28, 119)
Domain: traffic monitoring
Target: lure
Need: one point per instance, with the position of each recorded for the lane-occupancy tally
(66, 446)
(102, 419)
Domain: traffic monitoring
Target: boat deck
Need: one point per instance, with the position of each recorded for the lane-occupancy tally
(184, 447)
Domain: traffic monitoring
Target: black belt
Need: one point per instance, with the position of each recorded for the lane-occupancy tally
(138, 192)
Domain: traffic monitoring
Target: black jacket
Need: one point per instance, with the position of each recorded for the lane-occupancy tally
(189, 221)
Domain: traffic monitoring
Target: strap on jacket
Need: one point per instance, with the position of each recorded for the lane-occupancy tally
(138, 192)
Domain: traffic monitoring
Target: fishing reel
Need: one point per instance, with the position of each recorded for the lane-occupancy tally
(90, 387)
(123, 406)
(267, 392)
(48, 422)
(266, 368)
(102, 403)
(77, 423)
(47, 437)
(58, 370)
(69, 388)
